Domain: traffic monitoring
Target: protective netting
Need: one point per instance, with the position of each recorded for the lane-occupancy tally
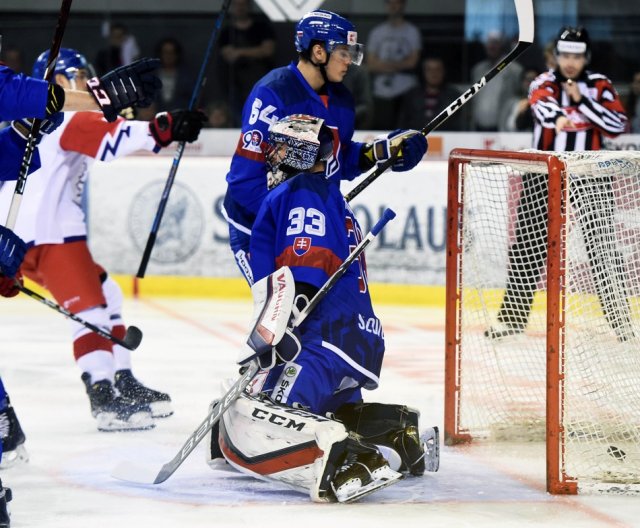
(502, 309)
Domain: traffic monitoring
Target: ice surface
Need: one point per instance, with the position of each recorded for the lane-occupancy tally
(189, 346)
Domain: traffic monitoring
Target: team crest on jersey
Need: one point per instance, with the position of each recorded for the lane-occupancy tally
(252, 141)
(301, 245)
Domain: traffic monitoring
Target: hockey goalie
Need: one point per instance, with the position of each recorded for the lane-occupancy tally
(303, 422)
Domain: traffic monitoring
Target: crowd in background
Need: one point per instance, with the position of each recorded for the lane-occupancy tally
(403, 82)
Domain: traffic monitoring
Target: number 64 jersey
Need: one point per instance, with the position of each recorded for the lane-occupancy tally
(306, 224)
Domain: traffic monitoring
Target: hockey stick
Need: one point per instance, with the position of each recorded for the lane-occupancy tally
(132, 336)
(35, 128)
(200, 82)
(524, 11)
(133, 472)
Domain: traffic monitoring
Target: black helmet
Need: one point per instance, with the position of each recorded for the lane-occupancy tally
(573, 40)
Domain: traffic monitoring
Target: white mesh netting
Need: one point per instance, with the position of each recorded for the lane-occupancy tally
(502, 354)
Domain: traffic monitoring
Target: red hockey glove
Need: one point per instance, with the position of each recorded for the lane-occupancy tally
(177, 125)
(8, 286)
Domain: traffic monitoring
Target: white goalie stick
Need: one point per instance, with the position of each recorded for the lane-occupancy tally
(133, 472)
(524, 11)
(131, 339)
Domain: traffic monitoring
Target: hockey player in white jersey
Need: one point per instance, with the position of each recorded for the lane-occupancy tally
(52, 223)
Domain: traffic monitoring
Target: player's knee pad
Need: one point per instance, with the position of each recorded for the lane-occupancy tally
(390, 425)
(113, 295)
(292, 446)
(97, 316)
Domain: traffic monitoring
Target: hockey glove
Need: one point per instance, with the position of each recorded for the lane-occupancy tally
(408, 145)
(12, 250)
(133, 84)
(22, 127)
(8, 286)
(177, 125)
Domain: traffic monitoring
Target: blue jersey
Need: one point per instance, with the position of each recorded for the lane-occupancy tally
(21, 96)
(306, 224)
(282, 92)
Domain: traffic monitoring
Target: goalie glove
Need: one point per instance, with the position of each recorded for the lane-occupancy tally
(22, 127)
(8, 287)
(408, 145)
(273, 298)
(177, 125)
(12, 251)
(133, 84)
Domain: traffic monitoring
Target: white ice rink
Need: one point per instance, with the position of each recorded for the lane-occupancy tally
(187, 349)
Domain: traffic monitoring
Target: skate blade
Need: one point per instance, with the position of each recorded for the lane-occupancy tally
(13, 457)
(161, 409)
(109, 422)
(389, 478)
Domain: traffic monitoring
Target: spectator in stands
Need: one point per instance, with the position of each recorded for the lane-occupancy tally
(632, 104)
(393, 52)
(516, 113)
(358, 81)
(122, 49)
(550, 56)
(177, 84)
(219, 115)
(486, 105)
(433, 97)
(13, 58)
(248, 45)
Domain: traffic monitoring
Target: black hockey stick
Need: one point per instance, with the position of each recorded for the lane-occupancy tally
(524, 11)
(131, 339)
(35, 128)
(200, 82)
(133, 472)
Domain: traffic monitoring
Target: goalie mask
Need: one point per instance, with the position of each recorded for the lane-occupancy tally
(296, 144)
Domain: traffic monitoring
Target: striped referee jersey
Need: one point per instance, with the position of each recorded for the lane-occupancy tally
(599, 113)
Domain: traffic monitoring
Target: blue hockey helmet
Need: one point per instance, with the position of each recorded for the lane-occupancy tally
(331, 29)
(68, 63)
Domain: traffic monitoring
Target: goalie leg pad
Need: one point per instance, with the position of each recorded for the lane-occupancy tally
(395, 427)
(285, 444)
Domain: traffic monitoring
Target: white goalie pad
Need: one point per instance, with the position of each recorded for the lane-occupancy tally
(273, 442)
(273, 298)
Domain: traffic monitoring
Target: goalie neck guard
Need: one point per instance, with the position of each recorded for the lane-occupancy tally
(296, 143)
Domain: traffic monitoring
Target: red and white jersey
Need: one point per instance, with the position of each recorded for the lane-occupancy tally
(51, 210)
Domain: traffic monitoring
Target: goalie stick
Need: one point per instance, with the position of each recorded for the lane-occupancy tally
(200, 82)
(524, 12)
(12, 216)
(132, 472)
(132, 337)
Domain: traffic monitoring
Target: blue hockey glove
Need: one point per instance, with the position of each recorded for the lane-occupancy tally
(409, 145)
(23, 126)
(132, 85)
(12, 250)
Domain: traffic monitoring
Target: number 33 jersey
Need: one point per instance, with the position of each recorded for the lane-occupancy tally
(306, 224)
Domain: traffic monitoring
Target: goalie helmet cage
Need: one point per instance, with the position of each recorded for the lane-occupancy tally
(566, 367)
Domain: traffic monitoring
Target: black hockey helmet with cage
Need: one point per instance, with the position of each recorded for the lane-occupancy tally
(296, 143)
(573, 40)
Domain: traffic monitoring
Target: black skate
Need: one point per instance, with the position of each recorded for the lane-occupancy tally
(361, 475)
(503, 330)
(5, 497)
(115, 413)
(129, 387)
(12, 437)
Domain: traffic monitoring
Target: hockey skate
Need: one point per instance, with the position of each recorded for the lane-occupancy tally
(5, 497)
(418, 452)
(362, 474)
(115, 413)
(129, 387)
(503, 330)
(12, 437)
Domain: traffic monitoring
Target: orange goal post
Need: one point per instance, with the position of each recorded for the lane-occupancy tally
(543, 310)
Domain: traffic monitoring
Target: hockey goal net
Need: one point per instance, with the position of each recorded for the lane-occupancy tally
(543, 310)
